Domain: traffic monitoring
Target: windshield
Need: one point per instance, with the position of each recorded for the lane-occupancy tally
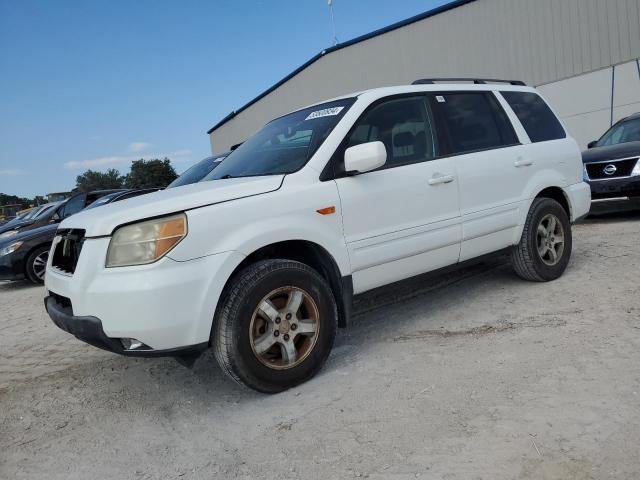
(285, 144)
(623, 132)
(45, 210)
(198, 171)
(31, 213)
(103, 200)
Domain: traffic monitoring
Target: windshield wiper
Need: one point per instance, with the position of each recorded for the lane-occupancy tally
(225, 177)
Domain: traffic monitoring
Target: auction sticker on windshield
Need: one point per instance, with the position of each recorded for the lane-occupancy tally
(327, 112)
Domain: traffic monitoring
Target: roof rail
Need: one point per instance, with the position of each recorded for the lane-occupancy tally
(477, 81)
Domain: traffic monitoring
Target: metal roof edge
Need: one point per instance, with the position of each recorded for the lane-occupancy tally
(394, 26)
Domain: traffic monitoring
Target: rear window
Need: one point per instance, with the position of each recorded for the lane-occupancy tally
(535, 115)
(475, 121)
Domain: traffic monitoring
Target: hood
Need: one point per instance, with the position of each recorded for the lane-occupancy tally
(611, 152)
(44, 233)
(14, 225)
(102, 221)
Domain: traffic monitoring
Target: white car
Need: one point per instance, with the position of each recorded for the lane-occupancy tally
(261, 263)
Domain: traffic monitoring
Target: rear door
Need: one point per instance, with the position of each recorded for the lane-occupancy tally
(493, 169)
(553, 153)
(402, 219)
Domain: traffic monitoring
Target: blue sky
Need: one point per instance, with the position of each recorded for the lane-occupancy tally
(96, 84)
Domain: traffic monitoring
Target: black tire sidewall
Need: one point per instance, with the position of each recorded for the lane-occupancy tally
(247, 366)
(542, 208)
(30, 274)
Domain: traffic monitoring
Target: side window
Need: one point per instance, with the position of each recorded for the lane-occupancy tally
(404, 125)
(535, 115)
(475, 121)
(615, 138)
(73, 205)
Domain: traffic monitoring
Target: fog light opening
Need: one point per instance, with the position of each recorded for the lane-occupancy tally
(131, 344)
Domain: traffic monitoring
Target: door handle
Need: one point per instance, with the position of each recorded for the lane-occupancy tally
(437, 179)
(523, 163)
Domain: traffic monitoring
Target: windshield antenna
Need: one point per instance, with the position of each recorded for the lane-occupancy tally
(333, 23)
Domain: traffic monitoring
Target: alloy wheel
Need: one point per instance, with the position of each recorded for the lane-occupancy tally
(550, 239)
(284, 328)
(40, 265)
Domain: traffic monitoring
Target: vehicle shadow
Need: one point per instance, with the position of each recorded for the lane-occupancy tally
(614, 212)
(10, 285)
(205, 384)
(377, 316)
(402, 302)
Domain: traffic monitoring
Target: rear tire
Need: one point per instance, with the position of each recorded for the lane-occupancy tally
(36, 265)
(275, 325)
(545, 246)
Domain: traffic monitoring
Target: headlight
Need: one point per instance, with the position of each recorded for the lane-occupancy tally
(10, 248)
(8, 234)
(146, 242)
(636, 169)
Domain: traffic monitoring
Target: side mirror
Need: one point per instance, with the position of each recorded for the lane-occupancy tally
(592, 144)
(365, 157)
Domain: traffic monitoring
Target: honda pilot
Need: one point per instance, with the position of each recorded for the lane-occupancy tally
(261, 262)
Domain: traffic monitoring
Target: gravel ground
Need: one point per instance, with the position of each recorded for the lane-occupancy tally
(472, 374)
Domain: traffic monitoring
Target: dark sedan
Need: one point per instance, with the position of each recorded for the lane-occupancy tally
(36, 214)
(53, 213)
(612, 164)
(198, 171)
(25, 254)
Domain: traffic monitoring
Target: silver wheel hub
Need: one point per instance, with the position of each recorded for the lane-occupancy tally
(284, 328)
(40, 265)
(550, 239)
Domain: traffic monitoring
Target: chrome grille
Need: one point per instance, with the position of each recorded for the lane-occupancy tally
(611, 169)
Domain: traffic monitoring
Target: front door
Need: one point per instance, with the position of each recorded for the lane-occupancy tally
(404, 218)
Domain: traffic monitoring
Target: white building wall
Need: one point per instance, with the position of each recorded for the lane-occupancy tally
(538, 41)
(584, 102)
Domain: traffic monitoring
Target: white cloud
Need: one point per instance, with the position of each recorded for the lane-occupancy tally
(118, 160)
(139, 146)
(11, 172)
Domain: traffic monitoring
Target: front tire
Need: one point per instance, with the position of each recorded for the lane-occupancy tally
(275, 325)
(545, 246)
(36, 265)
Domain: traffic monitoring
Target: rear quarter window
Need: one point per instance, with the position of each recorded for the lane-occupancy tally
(536, 117)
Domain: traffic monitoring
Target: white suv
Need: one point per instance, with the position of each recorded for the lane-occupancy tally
(262, 262)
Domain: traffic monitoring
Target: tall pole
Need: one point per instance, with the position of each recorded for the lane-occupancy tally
(333, 23)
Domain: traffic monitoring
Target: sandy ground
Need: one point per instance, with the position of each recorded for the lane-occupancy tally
(469, 375)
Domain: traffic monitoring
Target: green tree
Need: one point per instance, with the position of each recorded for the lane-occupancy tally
(92, 180)
(13, 199)
(150, 173)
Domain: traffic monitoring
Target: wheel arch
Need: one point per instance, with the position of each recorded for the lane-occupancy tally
(550, 190)
(313, 255)
(27, 256)
(558, 194)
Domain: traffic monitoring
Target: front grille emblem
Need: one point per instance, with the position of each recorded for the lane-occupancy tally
(609, 169)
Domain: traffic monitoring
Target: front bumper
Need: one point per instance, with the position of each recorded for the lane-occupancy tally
(12, 266)
(89, 330)
(579, 196)
(615, 188)
(167, 305)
